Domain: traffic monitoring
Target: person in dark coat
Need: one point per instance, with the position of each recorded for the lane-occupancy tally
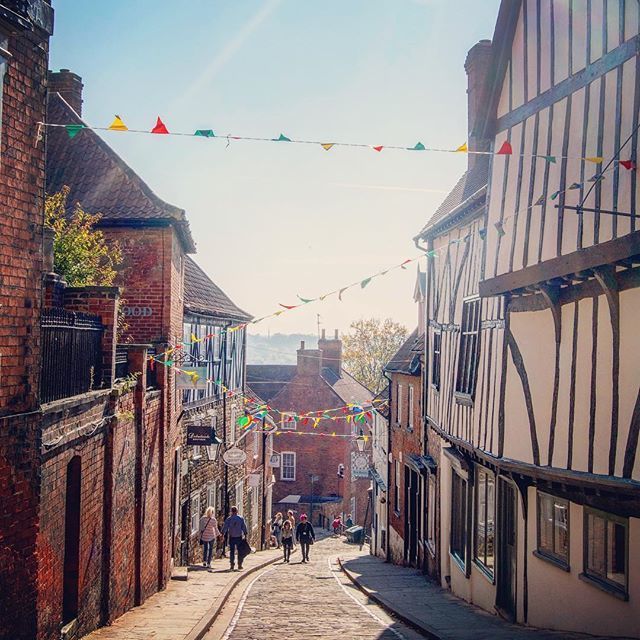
(236, 528)
(306, 536)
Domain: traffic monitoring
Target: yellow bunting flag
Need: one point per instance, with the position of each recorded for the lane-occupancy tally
(194, 338)
(595, 159)
(463, 148)
(327, 145)
(118, 125)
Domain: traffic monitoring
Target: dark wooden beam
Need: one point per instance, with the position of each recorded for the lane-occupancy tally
(588, 258)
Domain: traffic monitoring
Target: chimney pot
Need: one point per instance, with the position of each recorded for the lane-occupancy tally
(477, 67)
(323, 334)
(336, 335)
(69, 86)
(301, 344)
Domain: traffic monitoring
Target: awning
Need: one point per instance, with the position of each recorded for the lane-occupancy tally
(377, 478)
(420, 464)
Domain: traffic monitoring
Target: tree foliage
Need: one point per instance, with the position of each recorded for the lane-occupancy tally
(368, 347)
(80, 252)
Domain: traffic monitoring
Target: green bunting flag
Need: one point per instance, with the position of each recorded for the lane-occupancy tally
(555, 195)
(540, 201)
(575, 185)
(205, 133)
(282, 138)
(418, 147)
(499, 228)
(431, 254)
(365, 282)
(73, 129)
(551, 159)
(482, 233)
(305, 300)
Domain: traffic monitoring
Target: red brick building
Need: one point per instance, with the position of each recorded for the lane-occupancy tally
(329, 472)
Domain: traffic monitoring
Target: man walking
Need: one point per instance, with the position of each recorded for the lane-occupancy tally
(236, 528)
(306, 536)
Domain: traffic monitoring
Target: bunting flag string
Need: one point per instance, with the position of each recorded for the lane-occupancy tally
(504, 148)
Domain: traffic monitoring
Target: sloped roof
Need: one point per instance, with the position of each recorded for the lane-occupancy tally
(347, 387)
(407, 358)
(202, 295)
(381, 407)
(472, 182)
(267, 380)
(99, 179)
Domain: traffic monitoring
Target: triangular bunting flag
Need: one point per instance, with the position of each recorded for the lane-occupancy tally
(288, 306)
(341, 292)
(499, 228)
(555, 195)
(378, 149)
(405, 262)
(327, 145)
(575, 185)
(73, 129)
(205, 133)
(505, 149)
(482, 233)
(160, 127)
(629, 165)
(365, 282)
(463, 148)
(305, 300)
(432, 253)
(540, 201)
(418, 147)
(595, 159)
(596, 177)
(118, 125)
(551, 159)
(282, 138)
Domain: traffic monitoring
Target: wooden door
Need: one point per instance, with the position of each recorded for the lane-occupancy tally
(507, 549)
(411, 498)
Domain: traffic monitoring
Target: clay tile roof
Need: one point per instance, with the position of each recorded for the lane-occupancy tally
(267, 380)
(202, 295)
(472, 182)
(407, 358)
(347, 387)
(99, 179)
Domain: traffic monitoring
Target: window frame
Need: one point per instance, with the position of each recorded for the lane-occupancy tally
(469, 348)
(288, 425)
(546, 554)
(294, 466)
(396, 488)
(195, 513)
(592, 577)
(212, 490)
(436, 360)
(398, 404)
(432, 491)
(481, 563)
(410, 401)
(462, 520)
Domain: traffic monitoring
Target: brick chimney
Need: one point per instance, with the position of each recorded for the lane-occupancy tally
(477, 67)
(69, 86)
(308, 361)
(331, 353)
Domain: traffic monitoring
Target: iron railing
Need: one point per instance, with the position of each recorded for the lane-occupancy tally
(71, 354)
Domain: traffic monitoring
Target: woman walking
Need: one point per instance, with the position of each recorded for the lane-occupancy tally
(306, 536)
(208, 535)
(276, 529)
(287, 539)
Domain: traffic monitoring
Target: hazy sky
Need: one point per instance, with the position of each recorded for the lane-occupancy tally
(274, 220)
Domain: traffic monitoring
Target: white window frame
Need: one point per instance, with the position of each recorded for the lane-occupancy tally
(195, 508)
(255, 515)
(431, 512)
(239, 491)
(212, 496)
(282, 465)
(410, 410)
(287, 425)
(399, 403)
(196, 452)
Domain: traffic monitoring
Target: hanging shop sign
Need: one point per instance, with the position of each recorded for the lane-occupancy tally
(274, 461)
(234, 457)
(191, 378)
(254, 480)
(199, 435)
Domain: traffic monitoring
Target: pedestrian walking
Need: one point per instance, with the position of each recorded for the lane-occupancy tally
(287, 539)
(349, 521)
(306, 536)
(276, 529)
(236, 529)
(208, 535)
(292, 519)
(337, 525)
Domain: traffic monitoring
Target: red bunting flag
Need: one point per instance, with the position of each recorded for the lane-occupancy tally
(159, 128)
(378, 149)
(287, 306)
(505, 149)
(630, 165)
(405, 262)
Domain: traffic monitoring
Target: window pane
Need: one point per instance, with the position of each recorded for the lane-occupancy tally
(616, 553)
(545, 523)
(491, 493)
(561, 529)
(596, 531)
(481, 500)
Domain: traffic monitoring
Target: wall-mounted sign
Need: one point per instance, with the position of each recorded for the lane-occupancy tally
(199, 435)
(254, 480)
(191, 378)
(137, 312)
(274, 461)
(234, 457)
(359, 466)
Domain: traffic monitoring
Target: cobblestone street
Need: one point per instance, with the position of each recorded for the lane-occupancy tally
(313, 600)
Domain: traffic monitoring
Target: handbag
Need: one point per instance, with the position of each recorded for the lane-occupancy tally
(244, 549)
(205, 526)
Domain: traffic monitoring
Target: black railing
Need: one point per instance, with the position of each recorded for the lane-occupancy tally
(71, 354)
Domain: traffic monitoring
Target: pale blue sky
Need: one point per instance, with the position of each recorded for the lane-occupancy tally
(271, 221)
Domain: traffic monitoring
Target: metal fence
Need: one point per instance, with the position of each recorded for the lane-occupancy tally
(71, 354)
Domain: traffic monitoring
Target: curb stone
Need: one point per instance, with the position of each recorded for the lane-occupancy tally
(408, 619)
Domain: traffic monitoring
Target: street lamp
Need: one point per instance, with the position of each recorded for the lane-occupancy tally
(216, 444)
(361, 441)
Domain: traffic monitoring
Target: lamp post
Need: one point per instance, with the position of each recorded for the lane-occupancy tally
(361, 442)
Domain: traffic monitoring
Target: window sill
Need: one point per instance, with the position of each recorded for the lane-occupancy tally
(488, 575)
(556, 562)
(460, 563)
(616, 592)
(288, 479)
(464, 399)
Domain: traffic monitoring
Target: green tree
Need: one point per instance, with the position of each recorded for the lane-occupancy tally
(368, 347)
(80, 252)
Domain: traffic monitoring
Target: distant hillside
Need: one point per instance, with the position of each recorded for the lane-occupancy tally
(279, 348)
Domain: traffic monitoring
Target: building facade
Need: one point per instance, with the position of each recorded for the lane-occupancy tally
(380, 473)
(532, 397)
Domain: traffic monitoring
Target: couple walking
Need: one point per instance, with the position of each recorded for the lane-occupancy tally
(234, 527)
(304, 535)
